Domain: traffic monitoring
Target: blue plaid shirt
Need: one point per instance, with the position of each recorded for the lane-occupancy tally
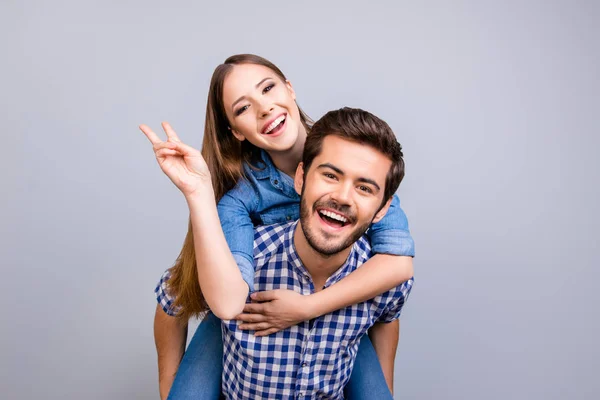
(313, 359)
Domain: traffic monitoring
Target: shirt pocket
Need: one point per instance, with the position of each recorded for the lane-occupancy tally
(280, 214)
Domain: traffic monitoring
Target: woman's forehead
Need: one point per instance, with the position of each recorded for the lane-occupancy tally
(243, 78)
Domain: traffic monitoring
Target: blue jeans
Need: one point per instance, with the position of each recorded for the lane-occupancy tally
(199, 374)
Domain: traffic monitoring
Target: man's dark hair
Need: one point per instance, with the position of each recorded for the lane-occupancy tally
(362, 127)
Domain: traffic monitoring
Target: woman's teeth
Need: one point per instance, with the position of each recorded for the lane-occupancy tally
(274, 124)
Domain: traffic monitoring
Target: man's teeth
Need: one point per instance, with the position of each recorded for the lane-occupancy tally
(337, 217)
(274, 124)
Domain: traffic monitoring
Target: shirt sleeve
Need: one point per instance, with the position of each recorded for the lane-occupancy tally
(394, 300)
(391, 235)
(163, 297)
(234, 210)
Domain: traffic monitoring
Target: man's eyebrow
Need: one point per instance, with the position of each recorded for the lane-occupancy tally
(256, 86)
(340, 172)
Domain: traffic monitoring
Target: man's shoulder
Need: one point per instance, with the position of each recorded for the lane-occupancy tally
(362, 250)
(271, 239)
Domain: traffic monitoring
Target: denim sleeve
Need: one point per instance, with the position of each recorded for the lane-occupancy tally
(234, 212)
(391, 234)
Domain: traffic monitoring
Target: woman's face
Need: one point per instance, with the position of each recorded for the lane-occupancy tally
(261, 108)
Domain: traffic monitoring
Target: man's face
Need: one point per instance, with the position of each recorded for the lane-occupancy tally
(341, 194)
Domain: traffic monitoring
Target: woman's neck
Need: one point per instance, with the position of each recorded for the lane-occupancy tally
(287, 161)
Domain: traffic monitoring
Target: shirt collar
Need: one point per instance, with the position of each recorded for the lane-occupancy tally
(349, 265)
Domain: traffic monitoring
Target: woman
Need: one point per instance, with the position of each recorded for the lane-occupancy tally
(253, 141)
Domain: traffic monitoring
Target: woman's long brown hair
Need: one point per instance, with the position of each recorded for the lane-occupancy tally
(224, 155)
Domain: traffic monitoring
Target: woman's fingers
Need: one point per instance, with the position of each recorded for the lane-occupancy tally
(170, 132)
(167, 152)
(152, 137)
(266, 332)
(254, 308)
(261, 326)
(251, 317)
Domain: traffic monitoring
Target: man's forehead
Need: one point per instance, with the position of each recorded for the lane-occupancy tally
(353, 156)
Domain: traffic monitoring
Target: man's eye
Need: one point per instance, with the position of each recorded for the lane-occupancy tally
(365, 189)
(268, 88)
(328, 175)
(241, 110)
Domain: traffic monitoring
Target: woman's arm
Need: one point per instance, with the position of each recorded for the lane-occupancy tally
(274, 310)
(218, 275)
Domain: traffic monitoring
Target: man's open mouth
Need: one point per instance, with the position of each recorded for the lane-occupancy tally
(333, 218)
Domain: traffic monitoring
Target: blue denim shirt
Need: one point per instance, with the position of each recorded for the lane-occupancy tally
(268, 196)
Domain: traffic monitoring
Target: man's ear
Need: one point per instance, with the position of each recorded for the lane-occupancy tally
(299, 178)
(291, 89)
(381, 213)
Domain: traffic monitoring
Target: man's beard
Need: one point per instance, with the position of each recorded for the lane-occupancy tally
(328, 249)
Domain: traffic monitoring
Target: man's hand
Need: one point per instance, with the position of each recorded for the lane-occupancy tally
(274, 310)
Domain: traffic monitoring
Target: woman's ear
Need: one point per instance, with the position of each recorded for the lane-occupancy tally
(237, 135)
(299, 178)
(291, 89)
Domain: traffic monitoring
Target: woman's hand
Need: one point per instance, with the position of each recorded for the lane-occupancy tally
(183, 164)
(274, 310)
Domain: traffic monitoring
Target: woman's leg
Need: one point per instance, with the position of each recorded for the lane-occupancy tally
(199, 374)
(367, 381)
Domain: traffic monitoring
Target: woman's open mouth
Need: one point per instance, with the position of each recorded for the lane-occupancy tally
(276, 126)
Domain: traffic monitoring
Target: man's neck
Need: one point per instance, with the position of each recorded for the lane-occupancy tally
(319, 266)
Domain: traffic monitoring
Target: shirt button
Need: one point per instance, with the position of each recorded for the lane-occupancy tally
(306, 278)
(275, 182)
(300, 395)
(288, 217)
(304, 365)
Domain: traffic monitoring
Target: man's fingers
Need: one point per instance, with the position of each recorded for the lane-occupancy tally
(254, 308)
(152, 137)
(251, 317)
(170, 132)
(267, 295)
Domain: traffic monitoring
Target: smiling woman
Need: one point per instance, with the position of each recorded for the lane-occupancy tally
(253, 142)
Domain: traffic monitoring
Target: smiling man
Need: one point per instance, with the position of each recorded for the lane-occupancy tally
(352, 165)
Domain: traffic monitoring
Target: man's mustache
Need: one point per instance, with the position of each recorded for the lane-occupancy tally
(345, 210)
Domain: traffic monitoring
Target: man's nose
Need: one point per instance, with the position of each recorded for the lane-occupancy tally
(343, 193)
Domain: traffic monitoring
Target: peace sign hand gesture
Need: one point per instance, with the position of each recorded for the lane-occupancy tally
(183, 164)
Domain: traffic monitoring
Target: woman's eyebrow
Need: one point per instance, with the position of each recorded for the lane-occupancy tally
(243, 97)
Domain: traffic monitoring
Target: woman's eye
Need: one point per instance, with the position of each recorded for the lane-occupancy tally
(241, 110)
(268, 88)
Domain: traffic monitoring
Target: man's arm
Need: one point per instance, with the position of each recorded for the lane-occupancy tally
(170, 336)
(384, 337)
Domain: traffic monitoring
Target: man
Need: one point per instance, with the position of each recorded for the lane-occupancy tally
(352, 165)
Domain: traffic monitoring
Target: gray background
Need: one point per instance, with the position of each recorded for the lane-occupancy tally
(495, 103)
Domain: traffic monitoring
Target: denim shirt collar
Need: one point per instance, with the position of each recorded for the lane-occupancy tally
(267, 170)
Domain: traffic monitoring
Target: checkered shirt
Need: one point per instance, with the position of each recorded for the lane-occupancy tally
(312, 360)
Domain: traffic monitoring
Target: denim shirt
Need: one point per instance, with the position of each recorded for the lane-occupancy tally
(268, 196)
